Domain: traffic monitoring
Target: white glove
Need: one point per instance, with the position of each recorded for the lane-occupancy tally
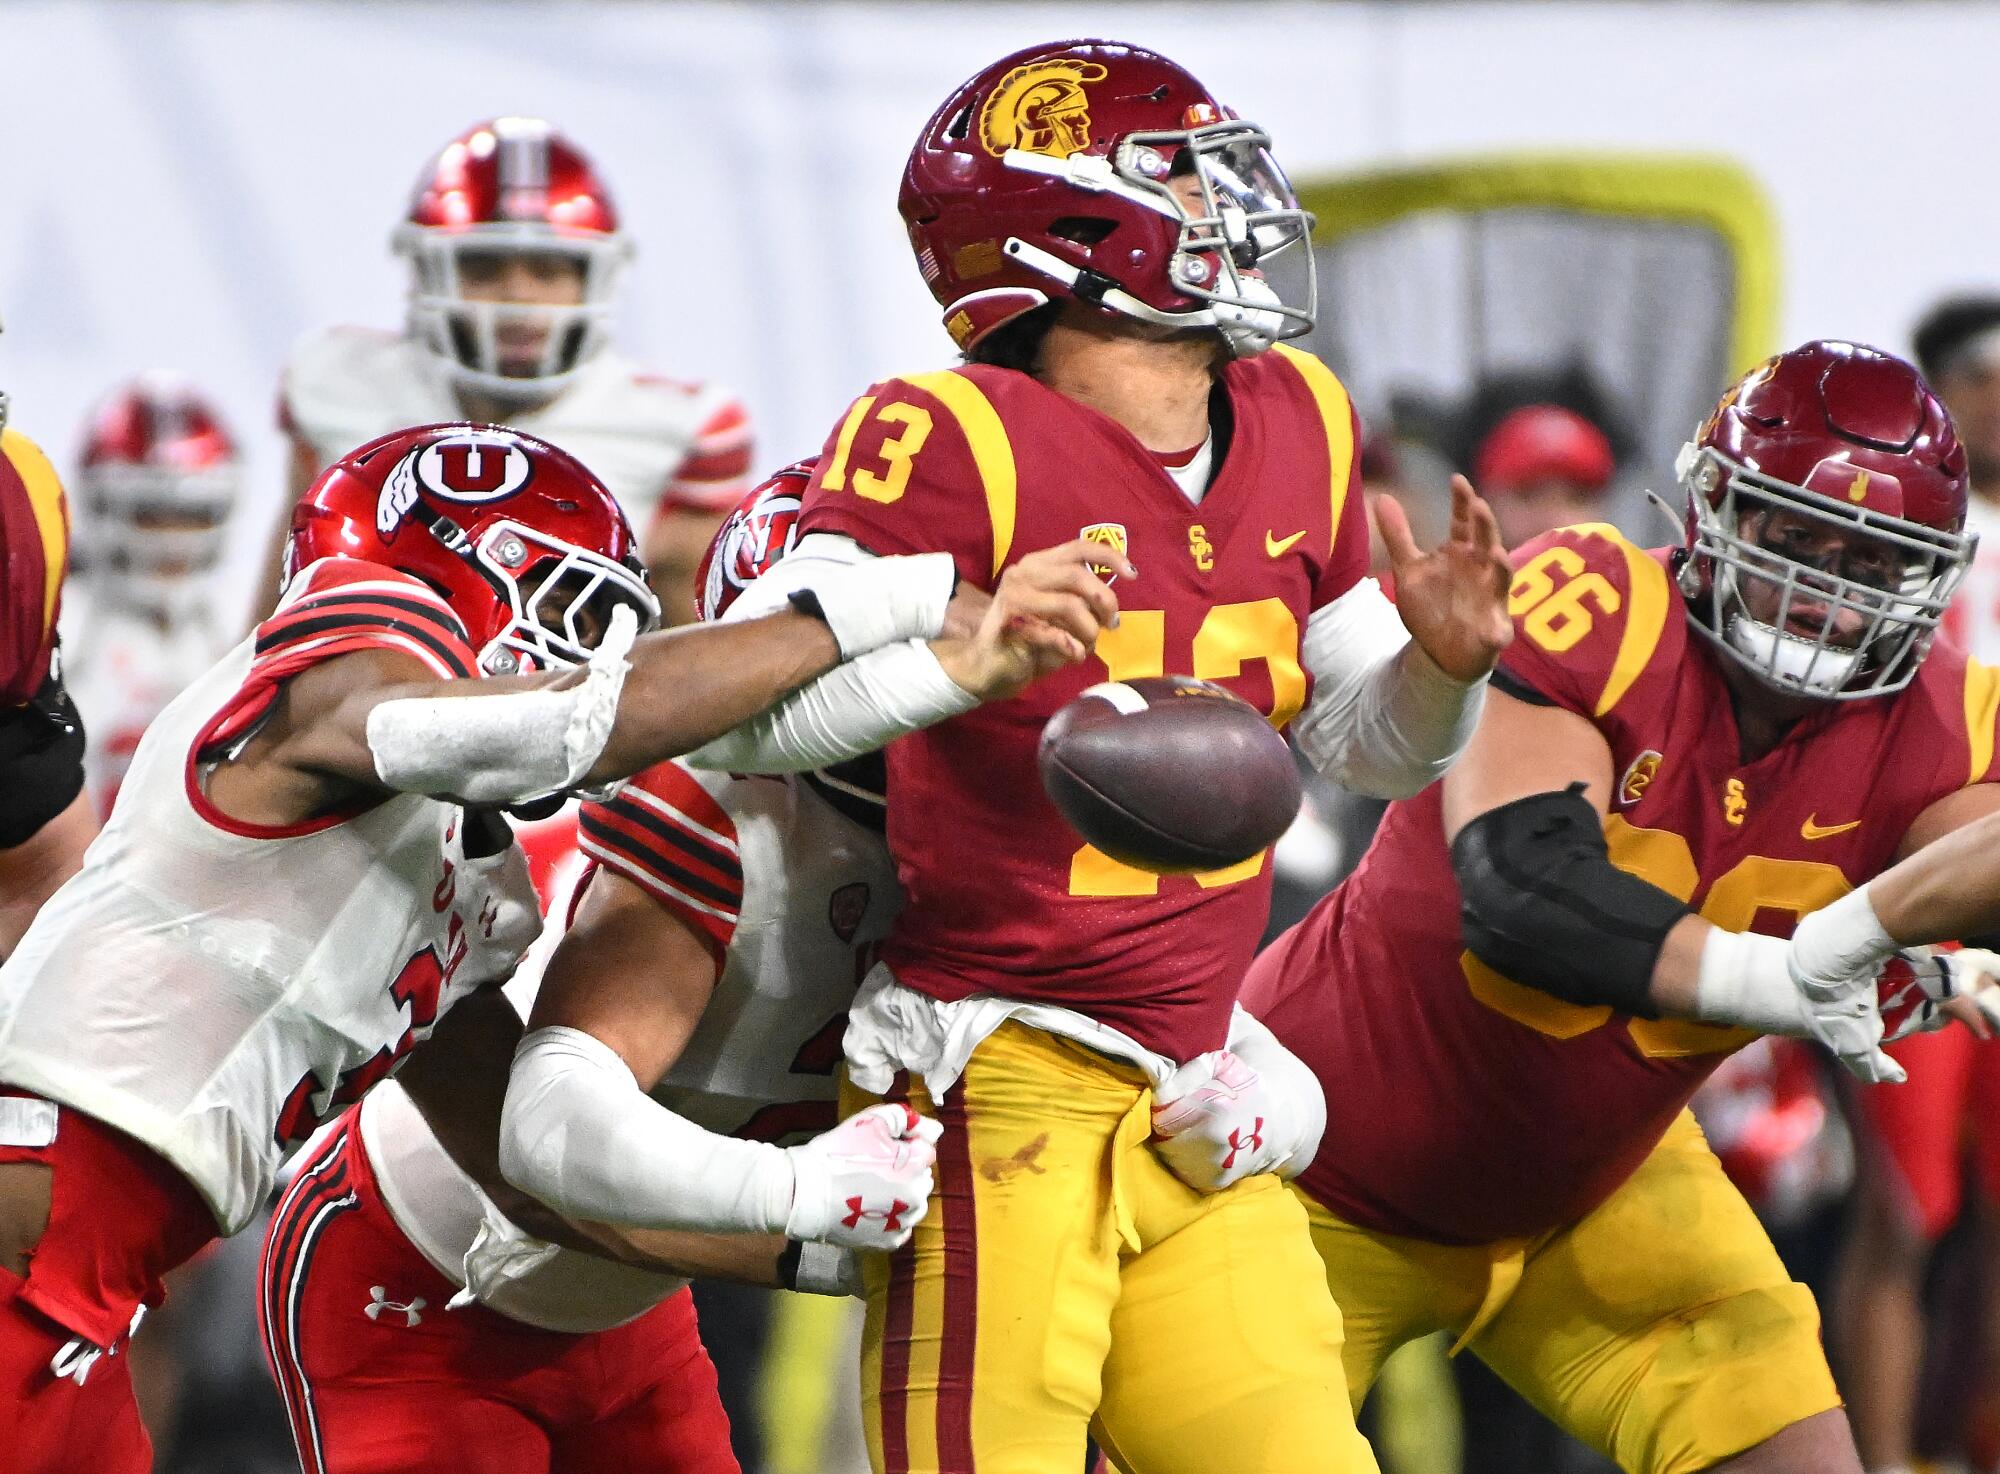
(1253, 1107)
(865, 1184)
(1820, 985)
(1835, 959)
(1913, 1002)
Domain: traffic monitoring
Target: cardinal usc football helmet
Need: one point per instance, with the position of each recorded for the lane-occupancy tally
(755, 535)
(1104, 173)
(159, 475)
(524, 543)
(505, 189)
(1826, 500)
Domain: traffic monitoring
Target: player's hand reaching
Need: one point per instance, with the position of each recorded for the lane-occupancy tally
(1454, 599)
(1046, 613)
(1231, 1113)
(865, 1184)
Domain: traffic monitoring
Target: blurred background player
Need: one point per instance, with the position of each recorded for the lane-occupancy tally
(157, 480)
(1542, 467)
(45, 818)
(1688, 750)
(1922, 1145)
(515, 253)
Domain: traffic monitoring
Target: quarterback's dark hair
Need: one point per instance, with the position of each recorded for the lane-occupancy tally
(1017, 344)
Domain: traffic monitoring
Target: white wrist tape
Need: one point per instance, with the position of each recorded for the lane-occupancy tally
(822, 1269)
(504, 749)
(883, 600)
(1840, 942)
(1383, 719)
(578, 1133)
(856, 707)
(1745, 982)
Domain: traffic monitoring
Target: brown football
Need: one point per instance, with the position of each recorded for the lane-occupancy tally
(1169, 774)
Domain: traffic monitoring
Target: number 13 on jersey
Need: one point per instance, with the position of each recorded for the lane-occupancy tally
(1230, 637)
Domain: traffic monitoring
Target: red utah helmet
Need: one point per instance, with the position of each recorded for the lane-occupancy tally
(524, 543)
(1829, 488)
(1053, 173)
(510, 186)
(753, 537)
(158, 478)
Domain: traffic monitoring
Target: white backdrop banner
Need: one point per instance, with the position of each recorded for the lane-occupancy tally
(194, 186)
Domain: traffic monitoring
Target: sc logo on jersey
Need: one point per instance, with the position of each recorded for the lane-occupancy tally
(464, 468)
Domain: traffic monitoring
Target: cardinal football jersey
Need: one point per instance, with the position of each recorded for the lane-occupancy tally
(1464, 1107)
(34, 531)
(214, 988)
(988, 464)
(792, 895)
(652, 441)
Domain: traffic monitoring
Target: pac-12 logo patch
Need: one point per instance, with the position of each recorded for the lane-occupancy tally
(1113, 536)
(1638, 777)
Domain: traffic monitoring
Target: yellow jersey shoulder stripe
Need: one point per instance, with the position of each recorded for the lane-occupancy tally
(1982, 709)
(992, 451)
(1336, 411)
(45, 498)
(1649, 600)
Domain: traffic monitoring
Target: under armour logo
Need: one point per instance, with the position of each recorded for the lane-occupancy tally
(1238, 1142)
(379, 1302)
(74, 1361)
(892, 1221)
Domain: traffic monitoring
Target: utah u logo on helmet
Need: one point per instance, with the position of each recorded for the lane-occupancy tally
(1040, 108)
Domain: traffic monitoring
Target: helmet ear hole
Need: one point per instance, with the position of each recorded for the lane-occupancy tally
(1085, 230)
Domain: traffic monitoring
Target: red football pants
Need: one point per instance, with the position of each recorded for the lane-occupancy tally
(378, 1376)
(1925, 1126)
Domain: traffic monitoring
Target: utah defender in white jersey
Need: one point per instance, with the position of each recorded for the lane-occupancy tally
(158, 478)
(729, 916)
(288, 896)
(515, 252)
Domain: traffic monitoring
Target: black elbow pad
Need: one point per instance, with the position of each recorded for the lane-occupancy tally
(1541, 903)
(41, 762)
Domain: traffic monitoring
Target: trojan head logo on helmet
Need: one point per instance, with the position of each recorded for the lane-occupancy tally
(1825, 520)
(509, 191)
(1102, 173)
(527, 547)
(1040, 108)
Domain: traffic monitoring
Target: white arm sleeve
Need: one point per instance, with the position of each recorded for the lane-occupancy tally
(1383, 719)
(579, 1134)
(854, 708)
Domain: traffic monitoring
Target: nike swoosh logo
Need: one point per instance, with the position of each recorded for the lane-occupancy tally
(1277, 546)
(1810, 830)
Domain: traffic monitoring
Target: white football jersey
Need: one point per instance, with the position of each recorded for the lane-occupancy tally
(215, 988)
(1974, 616)
(650, 440)
(793, 894)
(122, 665)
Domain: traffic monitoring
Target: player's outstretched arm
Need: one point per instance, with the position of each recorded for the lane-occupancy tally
(1045, 613)
(1542, 904)
(1397, 687)
(621, 997)
(511, 739)
(1946, 889)
(31, 870)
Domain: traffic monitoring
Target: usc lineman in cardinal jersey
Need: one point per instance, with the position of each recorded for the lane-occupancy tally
(515, 250)
(1097, 227)
(1511, 1000)
(45, 821)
